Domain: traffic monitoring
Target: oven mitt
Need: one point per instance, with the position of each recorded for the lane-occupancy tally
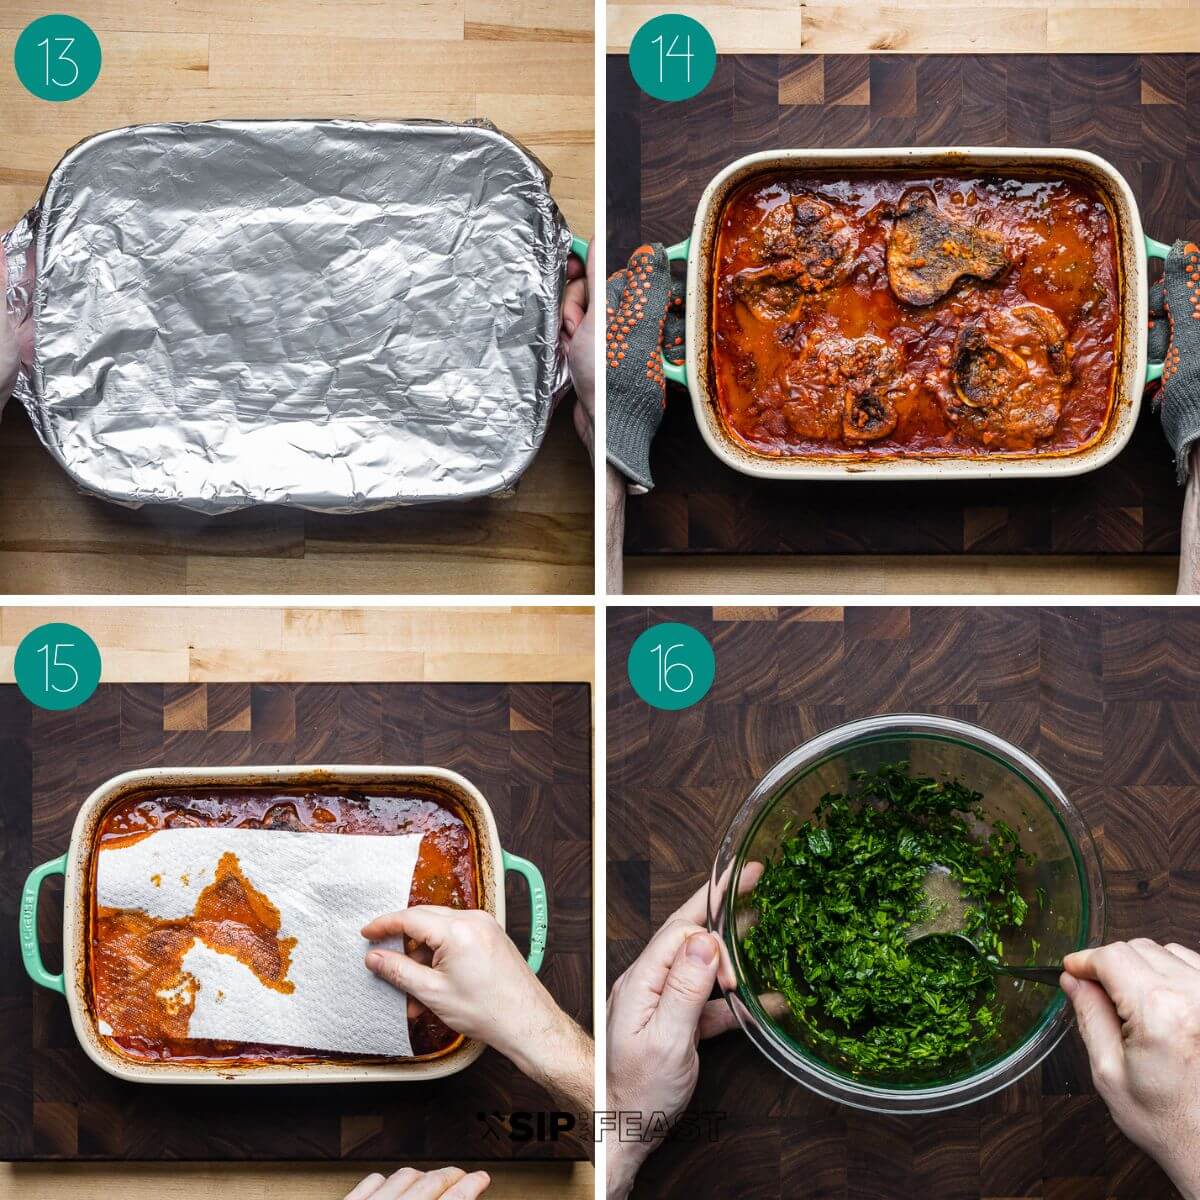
(645, 317)
(1175, 341)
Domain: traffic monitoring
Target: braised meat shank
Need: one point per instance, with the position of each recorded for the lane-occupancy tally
(807, 248)
(1008, 374)
(774, 293)
(928, 252)
(864, 374)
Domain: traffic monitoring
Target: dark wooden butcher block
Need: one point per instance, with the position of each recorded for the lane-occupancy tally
(528, 749)
(1107, 700)
(1142, 113)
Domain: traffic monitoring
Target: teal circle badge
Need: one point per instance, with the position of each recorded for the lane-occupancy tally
(671, 666)
(57, 666)
(57, 57)
(672, 57)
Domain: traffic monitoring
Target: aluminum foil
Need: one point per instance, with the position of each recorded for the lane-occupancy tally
(338, 315)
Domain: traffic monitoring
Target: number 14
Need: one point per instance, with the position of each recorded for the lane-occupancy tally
(671, 52)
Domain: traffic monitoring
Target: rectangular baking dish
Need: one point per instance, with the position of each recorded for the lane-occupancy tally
(75, 866)
(1132, 370)
(335, 315)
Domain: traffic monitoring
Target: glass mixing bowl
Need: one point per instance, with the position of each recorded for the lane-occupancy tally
(1014, 788)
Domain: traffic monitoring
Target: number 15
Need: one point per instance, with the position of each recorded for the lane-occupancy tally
(58, 664)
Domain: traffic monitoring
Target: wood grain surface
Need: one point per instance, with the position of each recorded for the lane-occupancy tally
(264, 1181)
(1103, 698)
(526, 746)
(909, 574)
(527, 65)
(267, 644)
(931, 26)
(1137, 111)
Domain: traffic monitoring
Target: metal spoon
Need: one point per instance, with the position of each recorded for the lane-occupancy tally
(947, 908)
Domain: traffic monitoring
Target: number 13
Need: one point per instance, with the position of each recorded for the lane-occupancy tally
(62, 57)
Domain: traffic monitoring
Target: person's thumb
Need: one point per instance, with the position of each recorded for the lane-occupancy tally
(405, 974)
(10, 349)
(1100, 1028)
(688, 987)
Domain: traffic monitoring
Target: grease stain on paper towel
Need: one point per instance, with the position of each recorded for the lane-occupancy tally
(231, 917)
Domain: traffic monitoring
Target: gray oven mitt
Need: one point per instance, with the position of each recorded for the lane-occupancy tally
(644, 319)
(1175, 341)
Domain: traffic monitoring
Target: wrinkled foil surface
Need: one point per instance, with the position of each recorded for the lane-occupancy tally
(338, 315)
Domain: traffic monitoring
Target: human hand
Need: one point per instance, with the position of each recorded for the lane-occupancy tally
(658, 1013)
(465, 969)
(614, 529)
(578, 339)
(475, 979)
(1138, 1008)
(11, 336)
(447, 1184)
(1189, 531)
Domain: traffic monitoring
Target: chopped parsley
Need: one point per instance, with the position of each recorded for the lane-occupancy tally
(833, 907)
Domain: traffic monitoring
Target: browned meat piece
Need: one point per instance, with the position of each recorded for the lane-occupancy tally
(928, 252)
(808, 249)
(1009, 369)
(868, 373)
(869, 416)
(182, 818)
(845, 388)
(774, 293)
(807, 230)
(811, 409)
(985, 372)
(283, 816)
(1053, 335)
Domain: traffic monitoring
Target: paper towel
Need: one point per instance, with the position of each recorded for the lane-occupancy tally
(326, 888)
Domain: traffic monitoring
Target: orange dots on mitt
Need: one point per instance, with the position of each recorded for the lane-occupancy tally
(637, 289)
(654, 364)
(631, 311)
(1191, 266)
(654, 370)
(615, 340)
(1171, 363)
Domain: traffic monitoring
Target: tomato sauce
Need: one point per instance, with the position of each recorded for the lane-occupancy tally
(767, 373)
(133, 955)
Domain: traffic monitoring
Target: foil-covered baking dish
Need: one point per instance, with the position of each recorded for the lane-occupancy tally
(337, 315)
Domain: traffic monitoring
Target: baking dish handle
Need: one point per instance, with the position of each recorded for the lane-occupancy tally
(1155, 250)
(579, 248)
(31, 952)
(677, 372)
(538, 904)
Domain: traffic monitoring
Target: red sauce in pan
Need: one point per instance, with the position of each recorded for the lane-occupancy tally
(134, 956)
(770, 376)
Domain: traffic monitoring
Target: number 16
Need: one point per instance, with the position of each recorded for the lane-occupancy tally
(666, 666)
